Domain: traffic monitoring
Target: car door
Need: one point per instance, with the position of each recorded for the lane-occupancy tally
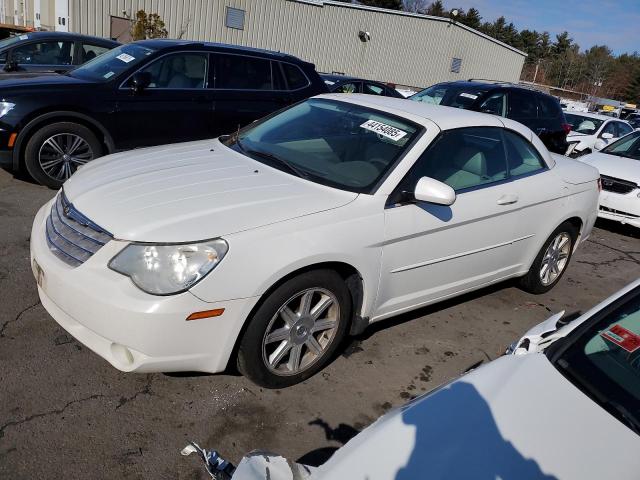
(246, 88)
(47, 55)
(432, 252)
(175, 107)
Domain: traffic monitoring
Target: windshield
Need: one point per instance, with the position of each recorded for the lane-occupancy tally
(335, 143)
(627, 146)
(11, 40)
(112, 63)
(604, 360)
(581, 124)
(449, 95)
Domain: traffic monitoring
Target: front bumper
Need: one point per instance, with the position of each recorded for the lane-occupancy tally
(132, 330)
(620, 208)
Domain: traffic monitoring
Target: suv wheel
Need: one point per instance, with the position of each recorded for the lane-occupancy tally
(296, 330)
(57, 150)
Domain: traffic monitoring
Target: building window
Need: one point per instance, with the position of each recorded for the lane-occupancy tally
(235, 18)
(455, 65)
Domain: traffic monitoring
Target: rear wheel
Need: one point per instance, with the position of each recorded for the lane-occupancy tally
(552, 260)
(57, 150)
(295, 332)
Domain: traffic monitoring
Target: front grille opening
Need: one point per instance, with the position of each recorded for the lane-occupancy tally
(617, 185)
(71, 236)
(618, 212)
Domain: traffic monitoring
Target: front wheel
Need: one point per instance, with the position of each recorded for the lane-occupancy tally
(552, 260)
(57, 150)
(296, 330)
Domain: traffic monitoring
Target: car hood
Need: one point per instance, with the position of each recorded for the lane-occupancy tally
(36, 79)
(516, 417)
(577, 134)
(614, 166)
(191, 191)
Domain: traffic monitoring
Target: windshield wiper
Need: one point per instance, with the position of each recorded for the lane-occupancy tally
(270, 156)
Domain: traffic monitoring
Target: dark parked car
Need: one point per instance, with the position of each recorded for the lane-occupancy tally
(145, 93)
(50, 51)
(537, 110)
(345, 84)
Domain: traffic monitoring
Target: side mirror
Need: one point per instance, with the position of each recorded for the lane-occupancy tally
(607, 136)
(433, 191)
(140, 81)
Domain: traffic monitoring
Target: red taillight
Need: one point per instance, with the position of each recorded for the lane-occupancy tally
(566, 127)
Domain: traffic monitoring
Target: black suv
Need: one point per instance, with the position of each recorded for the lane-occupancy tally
(50, 51)
(145, 93)
(537, 110)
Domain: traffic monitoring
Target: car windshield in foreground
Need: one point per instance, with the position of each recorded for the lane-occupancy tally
(581, 124)
(330, 142)
(628, 146)
(112, 63)
(604, 360)
(449, 95)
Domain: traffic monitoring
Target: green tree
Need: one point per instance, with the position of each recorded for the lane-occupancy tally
(436, 9)
(148, 26)
(471, 18)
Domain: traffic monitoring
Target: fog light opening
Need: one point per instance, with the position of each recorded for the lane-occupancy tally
(122, 354)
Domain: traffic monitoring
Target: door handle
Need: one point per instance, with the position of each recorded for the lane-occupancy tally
(508, 199)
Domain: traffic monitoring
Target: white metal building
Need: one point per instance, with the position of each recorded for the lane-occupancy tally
(396, 47)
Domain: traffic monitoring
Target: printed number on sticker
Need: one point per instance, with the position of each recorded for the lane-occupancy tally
(383, 129)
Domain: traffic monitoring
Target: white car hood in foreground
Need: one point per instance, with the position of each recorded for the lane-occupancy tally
(516, 418)
(614, 166)
(191, 191)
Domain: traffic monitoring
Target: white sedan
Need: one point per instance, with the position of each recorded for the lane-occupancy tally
(270, 245)
(564, 405)
(591, 132)
(619, 166)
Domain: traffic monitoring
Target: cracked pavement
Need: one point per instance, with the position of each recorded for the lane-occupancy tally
(66, 413)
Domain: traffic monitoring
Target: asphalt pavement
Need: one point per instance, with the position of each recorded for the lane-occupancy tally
(66, 413)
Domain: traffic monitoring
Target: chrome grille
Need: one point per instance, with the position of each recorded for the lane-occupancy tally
(71, 236)
(616, 185)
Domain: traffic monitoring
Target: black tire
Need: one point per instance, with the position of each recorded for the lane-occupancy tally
(532, 281)
(62, 131)
(251, 357)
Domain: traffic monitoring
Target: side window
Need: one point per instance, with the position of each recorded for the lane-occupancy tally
(522, 105)
(3, 57)
(372, 89)
(522, 157)
(238, 72)
(44, 53)
(347, 88)
(549, 107)
(495, 104)
(295, 77)
(179, 70)
(278, 78)
(610, 127)
(623, 129)
(463, 158)
(89, 52)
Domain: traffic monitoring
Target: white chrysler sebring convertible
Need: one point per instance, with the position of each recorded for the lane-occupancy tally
(270, 245)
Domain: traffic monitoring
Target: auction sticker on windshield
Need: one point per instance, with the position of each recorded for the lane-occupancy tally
(622, 337)
(383, 129)
(126, 58)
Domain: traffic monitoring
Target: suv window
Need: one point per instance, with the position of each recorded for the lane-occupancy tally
(463, 158)
(239, 72)
(495, 103)
(44, 53)
(89, 52)
(549, 107)
(295, 77)
(522, 105)
(371, 89)
(451, 95)
(522, 157)
(179, 70)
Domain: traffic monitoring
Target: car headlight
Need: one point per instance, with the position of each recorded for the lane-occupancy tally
(5, 107)
(168, 269)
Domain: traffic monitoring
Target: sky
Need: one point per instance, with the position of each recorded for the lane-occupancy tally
(615, 23)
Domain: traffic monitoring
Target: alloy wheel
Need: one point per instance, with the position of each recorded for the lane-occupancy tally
(555, 259)
(60, 155)
(301, 331)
